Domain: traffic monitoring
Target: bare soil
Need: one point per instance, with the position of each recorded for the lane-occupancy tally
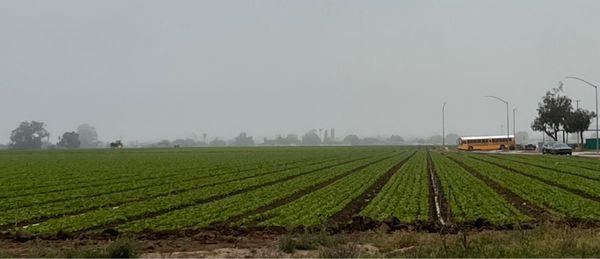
(435, 187)
(343, 219)
(297, 195)
(546, 240)
(564, 187)
(521, 204)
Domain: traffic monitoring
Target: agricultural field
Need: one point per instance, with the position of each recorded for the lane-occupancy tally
(91, 192)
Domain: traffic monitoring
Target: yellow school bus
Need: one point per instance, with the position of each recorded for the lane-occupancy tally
(487, 143)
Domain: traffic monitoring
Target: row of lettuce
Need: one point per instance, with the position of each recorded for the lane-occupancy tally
(198, 194)
(210, 190)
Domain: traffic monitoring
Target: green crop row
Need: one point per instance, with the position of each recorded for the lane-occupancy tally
(560, 164)
(116, 198)
(82, 174)
(557, 201)
(165, 177)
(571, 181)
(405, 196)
(315, 208)
(128, 211)
(205, 214)
(471, 199)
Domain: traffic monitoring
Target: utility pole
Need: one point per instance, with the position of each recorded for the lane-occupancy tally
(444, 125)
(514, 123)
(578, 140)
(507, 114)
(597, 130)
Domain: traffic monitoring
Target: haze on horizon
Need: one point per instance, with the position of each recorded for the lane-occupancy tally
(146, 70)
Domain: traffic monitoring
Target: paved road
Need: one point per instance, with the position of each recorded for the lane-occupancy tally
(519, 152)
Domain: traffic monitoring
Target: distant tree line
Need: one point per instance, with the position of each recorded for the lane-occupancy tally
(33, 135)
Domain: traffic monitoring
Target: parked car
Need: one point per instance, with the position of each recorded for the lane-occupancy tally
(556, 148)
(530, 147)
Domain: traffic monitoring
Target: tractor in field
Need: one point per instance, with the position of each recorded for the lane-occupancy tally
(116, 144)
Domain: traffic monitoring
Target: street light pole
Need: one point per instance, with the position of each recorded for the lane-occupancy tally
(597, 131)
(507, 114)
(514, 122)
(444, 125)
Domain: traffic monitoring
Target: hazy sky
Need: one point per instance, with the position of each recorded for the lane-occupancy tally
(148, 70)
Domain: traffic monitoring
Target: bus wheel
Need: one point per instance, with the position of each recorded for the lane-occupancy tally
(470, 148)
(502, 147)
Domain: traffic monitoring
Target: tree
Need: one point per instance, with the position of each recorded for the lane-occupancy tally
(352, 139)
(163, 143)
(311, 138)
(395, 140)
(243, 140)
(370, 141)
(69, 140)
(218, 143)
(552, 113)
(88, 136)
(578, 122)
(419, 141)
(28, 135)
(435, 139)
(188, 142)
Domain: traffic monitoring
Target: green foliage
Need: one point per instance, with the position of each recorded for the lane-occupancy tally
(552, 113)
(405, 196)
(123, 248)
(579, 121)
(315, 208)
(28, 135)
(470, 199)
(69, 191)
(570, 181)
(69, 140)
(545, 241)
(88, 136)
(558, 201)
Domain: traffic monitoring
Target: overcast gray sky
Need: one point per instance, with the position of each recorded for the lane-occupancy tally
(146, 70)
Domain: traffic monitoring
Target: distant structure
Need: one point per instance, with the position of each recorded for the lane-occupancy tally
(332, 134)
(116, 144)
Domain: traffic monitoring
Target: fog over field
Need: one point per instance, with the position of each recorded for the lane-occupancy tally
(146, 70)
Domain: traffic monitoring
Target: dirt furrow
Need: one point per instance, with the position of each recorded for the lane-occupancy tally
(153, 185)
(345, 216)
(521, 204)
(548, 182)
(116, 204)
(297, 195)
(218, 197)
(439, 209)
(119, 203)
(554, 169)
(108, 181)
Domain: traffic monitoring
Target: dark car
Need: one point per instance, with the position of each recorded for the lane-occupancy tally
(556, 148)
(530, 147)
